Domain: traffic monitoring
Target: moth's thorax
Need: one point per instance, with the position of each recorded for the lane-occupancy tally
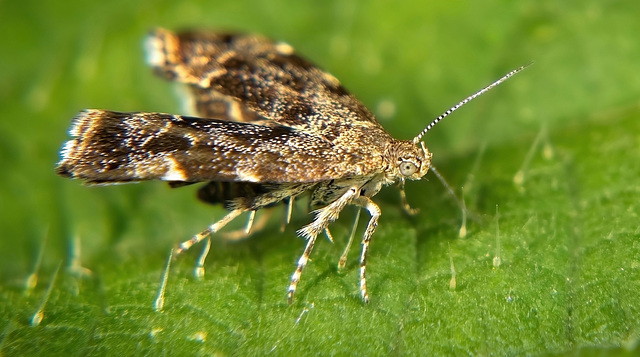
(406, 160)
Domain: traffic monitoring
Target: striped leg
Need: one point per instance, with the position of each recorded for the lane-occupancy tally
(324, 216)
(374, 211)
(302, 262)
(184, 246)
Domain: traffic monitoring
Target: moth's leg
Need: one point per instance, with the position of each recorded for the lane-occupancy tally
(239, 234)
(343, 258)
(158, 303)
(182, 247)
(252, 217)
(287, 216)
(302, 262)
(324, 216)
(374, 211)
(405, 204)
(198, 271)
(328, 234)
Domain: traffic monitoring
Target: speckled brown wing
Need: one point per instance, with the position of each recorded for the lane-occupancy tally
(267, 116)
(112, 147)
(251, 79)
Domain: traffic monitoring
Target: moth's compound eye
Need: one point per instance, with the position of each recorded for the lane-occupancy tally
(407, 168)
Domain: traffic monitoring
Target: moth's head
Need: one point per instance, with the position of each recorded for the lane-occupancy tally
(408, 161)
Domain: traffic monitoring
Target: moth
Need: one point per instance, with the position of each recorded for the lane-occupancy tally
(269, 126)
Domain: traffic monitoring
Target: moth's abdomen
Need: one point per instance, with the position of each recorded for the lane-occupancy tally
(111, 147)
(224, 192)
(249, 196)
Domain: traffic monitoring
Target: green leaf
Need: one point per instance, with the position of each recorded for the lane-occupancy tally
(566, 230)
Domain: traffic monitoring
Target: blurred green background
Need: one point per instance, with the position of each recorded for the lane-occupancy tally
(567, 234)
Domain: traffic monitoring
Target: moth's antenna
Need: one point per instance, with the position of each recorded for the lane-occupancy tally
(467, 100)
